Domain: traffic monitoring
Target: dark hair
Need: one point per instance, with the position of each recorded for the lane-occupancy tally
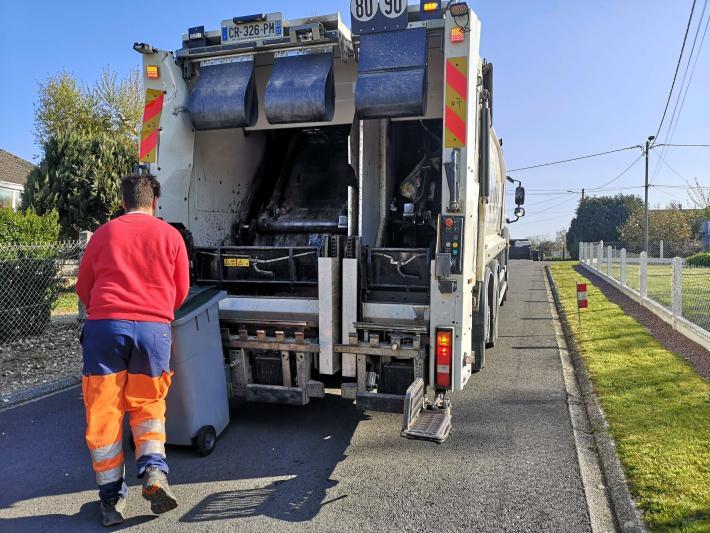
(138, 191)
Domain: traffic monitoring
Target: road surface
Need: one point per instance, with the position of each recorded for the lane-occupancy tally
(510, 463)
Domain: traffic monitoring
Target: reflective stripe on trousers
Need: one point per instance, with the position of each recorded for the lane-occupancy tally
(149, 437)
(126, 370)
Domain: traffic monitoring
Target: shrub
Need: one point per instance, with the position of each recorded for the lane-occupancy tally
(702, 259)
(28, 228)
(80, 176)
(29, 267)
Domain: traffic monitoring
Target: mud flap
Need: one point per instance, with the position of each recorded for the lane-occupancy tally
(423, 420)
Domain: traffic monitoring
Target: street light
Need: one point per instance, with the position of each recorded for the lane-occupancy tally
(576, 192)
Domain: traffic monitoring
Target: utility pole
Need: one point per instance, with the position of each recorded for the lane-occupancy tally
(645, 203)
(583, 195)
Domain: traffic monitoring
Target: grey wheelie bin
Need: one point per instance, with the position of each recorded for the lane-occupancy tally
(197, 403)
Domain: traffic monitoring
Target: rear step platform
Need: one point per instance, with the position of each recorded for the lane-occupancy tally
(423, 420)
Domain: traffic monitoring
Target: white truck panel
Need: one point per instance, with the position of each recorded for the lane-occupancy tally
(350, 308)
(176, 140)
(226, 162)
(329, 314)
(456, 309)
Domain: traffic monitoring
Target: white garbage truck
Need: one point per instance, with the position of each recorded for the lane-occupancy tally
(347, 189)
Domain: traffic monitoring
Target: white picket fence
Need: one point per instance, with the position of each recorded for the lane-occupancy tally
(677, 293)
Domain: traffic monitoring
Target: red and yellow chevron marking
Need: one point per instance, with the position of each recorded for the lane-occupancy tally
(151, 124)
(456, 102)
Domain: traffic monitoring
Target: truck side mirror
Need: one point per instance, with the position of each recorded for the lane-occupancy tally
(519, 213)
(519, 195)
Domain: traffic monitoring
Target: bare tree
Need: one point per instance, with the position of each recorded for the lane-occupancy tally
(699, 196)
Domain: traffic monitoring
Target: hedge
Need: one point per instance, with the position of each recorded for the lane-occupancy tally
(702, 259)
(28, 228)
(29, 268)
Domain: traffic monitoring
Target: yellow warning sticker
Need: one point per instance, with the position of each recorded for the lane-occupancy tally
(237, 262)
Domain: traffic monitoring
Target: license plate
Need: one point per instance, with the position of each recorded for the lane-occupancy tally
(237, 262)
(252, 31)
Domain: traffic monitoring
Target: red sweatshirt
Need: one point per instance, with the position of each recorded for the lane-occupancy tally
(134, 268)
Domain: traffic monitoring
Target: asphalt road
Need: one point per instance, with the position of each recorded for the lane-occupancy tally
(510, 463)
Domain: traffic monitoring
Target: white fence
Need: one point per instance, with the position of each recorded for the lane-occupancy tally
(673, 290)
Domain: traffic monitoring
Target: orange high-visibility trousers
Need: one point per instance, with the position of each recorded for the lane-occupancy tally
(126, 370)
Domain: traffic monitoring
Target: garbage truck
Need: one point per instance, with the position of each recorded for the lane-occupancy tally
(346, 188)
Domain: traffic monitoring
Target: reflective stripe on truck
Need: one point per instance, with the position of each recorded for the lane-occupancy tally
(151, 124)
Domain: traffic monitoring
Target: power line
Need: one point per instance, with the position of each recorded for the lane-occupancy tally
(566, 200)
(674, 125)
(556, 217)
(678, 111)
(688, 187)
(669, 195)
(663, 160)
(552, 198)
(677, 68)
(685, 145)
(618, 176)
(606, 153)
(575, 159)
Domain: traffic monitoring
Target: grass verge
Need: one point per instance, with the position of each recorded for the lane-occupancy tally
(67, 303)
(657, 406)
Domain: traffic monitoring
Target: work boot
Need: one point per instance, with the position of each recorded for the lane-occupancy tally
(157, 491)
(112, 511)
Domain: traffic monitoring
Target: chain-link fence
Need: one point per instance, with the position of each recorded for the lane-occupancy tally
(696, 295)
(681, 290)
(37, 288)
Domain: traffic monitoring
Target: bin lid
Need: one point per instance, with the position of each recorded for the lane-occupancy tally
(198, 299)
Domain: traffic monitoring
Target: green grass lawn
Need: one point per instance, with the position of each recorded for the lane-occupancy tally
(657, 406)
(66, 304)
(696, 288)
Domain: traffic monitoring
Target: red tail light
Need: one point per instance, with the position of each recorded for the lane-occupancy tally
(444, 345)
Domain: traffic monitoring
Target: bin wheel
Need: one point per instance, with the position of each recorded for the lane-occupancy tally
(205, 441)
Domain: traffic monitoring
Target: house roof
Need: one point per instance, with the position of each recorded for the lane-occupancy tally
(14, 169)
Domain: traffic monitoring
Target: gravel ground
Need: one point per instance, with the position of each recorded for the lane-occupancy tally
(670, 339)
(26, 363)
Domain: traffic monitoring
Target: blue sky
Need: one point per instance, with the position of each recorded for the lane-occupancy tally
(572, 78)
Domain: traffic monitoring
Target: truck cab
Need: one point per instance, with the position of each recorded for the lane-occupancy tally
(347, 189)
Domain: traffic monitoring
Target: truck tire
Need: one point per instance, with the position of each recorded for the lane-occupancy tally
(481, 326)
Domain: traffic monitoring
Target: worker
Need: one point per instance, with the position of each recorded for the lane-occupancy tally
(134, 274)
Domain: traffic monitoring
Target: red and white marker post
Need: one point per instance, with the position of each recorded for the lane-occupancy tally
(582, 302)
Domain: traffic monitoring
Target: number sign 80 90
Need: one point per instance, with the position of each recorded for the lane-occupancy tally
(365, 10)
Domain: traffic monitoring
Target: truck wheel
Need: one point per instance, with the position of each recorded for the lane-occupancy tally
(206, 440)
(481, 327)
